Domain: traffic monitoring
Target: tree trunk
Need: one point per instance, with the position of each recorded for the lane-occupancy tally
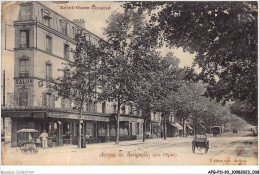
(144, 128)
(79, 136)
(117, 121)
(183, 129)
(210, 127)
(164, 128)
(194, 127)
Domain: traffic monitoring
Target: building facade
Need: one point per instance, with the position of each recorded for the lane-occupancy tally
(154, 125)
(43, 41)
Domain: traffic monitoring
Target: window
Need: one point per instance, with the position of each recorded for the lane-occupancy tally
(101, 129)
(46, 17)
(130, 109)
(66, 51)
(104, 107)
(68, 103)
(65, 103)
(154, 116)
(48, 71)
(48, 99)
(137, 129)
(114, 107)
(94, 107)
(123, 109)
(87, 36)
(138, 113)
(24, 68)
(90, 129)
(62, 103)
(89, 106)
(75, 31)
(49, 44)
(24, 42)
(23, 98)
(46, 21)
(63, 27)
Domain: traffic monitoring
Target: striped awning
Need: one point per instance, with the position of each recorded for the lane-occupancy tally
(177, 125)
(189, 127)
(202, 126)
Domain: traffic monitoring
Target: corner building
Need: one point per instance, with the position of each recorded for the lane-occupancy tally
(43, 41)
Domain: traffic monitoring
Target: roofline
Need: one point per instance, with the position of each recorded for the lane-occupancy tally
(67, 19)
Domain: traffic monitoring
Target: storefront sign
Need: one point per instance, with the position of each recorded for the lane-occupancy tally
(23, 82)
(130, 119)
(76, 116)
(97, 118)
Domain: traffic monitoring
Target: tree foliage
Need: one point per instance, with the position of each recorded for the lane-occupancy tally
(132, 57)
(80, 76)
(224, 37)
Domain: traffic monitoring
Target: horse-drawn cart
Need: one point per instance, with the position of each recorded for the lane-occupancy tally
(199, 142)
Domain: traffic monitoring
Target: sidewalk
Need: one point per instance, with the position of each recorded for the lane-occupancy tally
(109, 145)
(172, 151)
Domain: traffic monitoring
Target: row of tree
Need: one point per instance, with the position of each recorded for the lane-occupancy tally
(128, 66)
(224, 37)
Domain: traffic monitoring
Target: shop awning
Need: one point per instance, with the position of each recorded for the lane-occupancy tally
(189, 127)
(27, 130)
(202, 126)
(178, 126)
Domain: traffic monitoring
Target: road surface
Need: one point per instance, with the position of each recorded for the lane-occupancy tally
(227, 149)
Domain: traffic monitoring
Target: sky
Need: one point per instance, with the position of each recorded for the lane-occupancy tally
(95, 22)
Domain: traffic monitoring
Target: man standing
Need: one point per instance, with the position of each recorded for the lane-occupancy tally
(44, 137)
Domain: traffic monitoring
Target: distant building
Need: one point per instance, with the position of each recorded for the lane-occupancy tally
(154, 127)
(43, 41)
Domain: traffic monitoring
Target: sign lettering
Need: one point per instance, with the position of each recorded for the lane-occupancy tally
(23, 83)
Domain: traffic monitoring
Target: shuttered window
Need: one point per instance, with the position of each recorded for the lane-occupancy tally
(48, 71)
(62, 103)
(94, 107)
(114, 107)
(104, 107)
(24, 67)
(49, 44)
(23, 98)
(48, 100)
(24, 40)
(66, 52)
(64, 29)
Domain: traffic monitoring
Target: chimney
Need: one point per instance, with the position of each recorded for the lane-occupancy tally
(80, 22)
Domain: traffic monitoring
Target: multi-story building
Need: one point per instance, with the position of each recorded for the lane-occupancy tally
(43, 41)
(174, 128)
(154, 125)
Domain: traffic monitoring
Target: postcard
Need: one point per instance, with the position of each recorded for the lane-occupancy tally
(129, 83)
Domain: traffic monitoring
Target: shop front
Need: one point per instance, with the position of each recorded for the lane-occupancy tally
(153, 129)
(96, 131)
(59, 130)
(63, 127)
(174, 129)
(130, 128)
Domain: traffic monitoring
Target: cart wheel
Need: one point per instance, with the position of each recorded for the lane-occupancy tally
(206, 150)
(193, 149)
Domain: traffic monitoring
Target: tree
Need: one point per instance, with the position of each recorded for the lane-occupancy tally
(224, 37)
(190, 102)
(79, 79)
(162, 80)
(121, 69)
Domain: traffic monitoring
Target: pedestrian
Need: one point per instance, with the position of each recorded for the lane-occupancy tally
(44, 137)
